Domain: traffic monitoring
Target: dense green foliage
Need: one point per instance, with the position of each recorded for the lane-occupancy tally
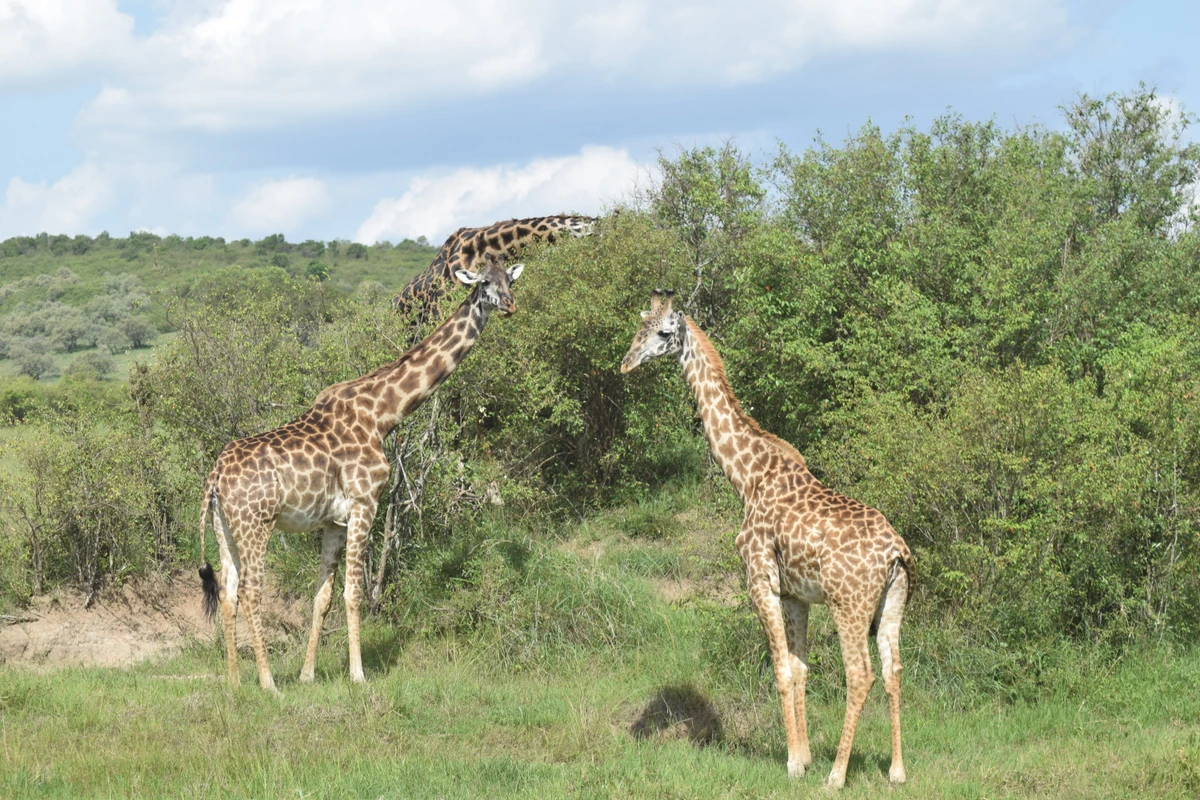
(988, 334)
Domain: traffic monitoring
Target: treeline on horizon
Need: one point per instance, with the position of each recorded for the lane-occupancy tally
(95, 296)
(990, 334)
(27, 263)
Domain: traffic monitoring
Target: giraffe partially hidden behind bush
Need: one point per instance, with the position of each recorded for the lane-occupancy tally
(801, 543)
(466, 245)
(326, 470)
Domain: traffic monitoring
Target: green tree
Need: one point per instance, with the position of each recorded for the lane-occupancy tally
(140, 330)
(93, 364)
(35, 365)
(113, 341)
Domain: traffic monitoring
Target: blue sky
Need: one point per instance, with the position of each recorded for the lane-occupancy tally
(386, 119)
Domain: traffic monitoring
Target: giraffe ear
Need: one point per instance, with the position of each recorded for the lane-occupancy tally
(515, 271)
(467, 277)
(646, 314)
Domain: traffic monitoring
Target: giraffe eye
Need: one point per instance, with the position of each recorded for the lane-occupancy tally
(665, 334)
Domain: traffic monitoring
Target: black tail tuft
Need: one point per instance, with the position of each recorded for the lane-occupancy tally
(210, 590)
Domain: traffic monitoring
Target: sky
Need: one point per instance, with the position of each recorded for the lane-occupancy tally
(376, 120)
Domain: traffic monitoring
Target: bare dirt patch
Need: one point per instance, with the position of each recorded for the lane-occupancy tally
(142, 619)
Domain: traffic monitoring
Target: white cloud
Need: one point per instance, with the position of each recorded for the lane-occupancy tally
(434, 206)
(281, 206)
(261, 63)
(67, 206)
(45, 39)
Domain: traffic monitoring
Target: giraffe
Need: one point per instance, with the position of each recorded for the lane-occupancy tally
(325, 470)
(800, 542)
(467, 244)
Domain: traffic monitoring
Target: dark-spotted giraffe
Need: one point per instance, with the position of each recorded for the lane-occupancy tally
(801, 543)
(326, 470)
(466, 245)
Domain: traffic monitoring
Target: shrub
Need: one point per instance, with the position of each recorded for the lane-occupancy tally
(35, 365)
(93, 500)
(94, 364)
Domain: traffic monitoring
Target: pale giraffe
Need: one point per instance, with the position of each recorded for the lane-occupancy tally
(801, 543)
(326, 470)
(466, 245)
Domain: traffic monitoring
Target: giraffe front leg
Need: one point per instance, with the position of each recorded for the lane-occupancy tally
(357, 530)
(852, 632)
(332, 542)
(764, 595)
(796, 618)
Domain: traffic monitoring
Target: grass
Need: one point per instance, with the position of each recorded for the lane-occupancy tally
(529, 668)
(440, 721)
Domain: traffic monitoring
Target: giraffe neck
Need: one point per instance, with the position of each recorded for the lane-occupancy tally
(401, 386)
(734, 436)
(467, 245)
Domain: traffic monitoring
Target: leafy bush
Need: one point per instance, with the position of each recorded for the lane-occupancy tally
(544, 391)
(35, 365)
(92, 499)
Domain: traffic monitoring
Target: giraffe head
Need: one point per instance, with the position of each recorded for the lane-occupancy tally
(661, 333)
(493, 283)
(580, 226)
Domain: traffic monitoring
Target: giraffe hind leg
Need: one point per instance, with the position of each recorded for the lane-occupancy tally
(254, 538)
(230, 573)
(891, 612)
(796, 619)
(332, 542)
(852, 628)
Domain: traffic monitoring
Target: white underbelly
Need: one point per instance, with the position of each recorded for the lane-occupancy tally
(334, 512)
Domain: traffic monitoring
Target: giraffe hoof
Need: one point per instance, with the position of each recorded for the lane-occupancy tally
(835, 781)
(307, 677)
(896, 774)
(796, 769)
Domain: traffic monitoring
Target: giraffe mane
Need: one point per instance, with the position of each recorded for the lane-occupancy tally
(718, 367)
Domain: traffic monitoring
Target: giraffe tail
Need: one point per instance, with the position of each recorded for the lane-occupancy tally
(903, 562)
(207, 579)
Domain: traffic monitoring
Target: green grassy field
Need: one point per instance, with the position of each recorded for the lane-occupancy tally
(591, 646)
(442, 722)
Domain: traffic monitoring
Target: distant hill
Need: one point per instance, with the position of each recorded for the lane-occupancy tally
(84, 304)
(29, 264)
